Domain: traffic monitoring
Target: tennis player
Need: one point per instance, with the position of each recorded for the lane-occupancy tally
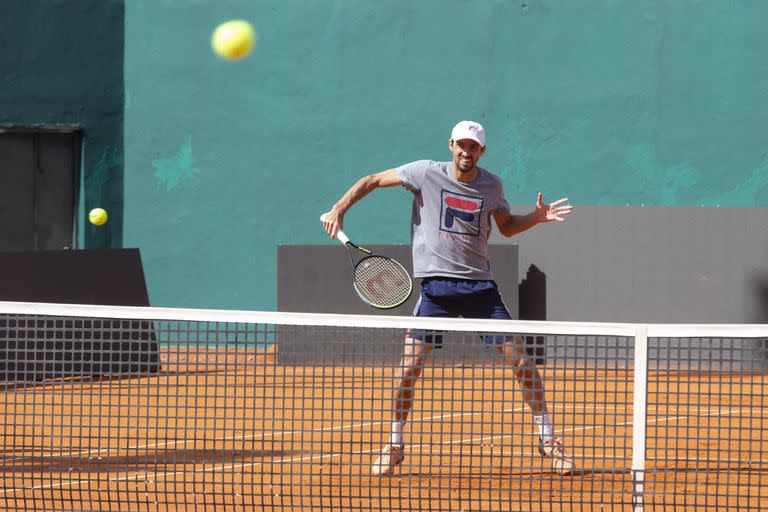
(450, 225)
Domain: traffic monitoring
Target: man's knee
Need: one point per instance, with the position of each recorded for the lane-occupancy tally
(414, 355)
(411, 366)
(524, 366)
(515, 353)
(416, 349)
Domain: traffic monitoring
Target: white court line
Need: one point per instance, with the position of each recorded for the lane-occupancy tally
(165, 475)
(576, 429)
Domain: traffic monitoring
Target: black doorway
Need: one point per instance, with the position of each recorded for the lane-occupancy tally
(39, 183)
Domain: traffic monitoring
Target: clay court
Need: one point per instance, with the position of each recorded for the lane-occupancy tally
(236, 430)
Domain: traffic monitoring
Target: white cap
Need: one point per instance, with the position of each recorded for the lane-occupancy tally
(469, 130)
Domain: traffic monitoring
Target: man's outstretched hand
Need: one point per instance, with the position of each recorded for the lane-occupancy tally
(556, 211)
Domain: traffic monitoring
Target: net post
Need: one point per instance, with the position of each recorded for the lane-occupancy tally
(639, 410)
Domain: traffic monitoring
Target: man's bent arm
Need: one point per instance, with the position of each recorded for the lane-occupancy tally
(510, 225)
(364, 186)
(334, 220)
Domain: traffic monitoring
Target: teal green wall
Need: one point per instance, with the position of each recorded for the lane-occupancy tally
(62, 63)
(607, 102)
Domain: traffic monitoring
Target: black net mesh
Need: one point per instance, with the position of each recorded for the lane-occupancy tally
(292, 412)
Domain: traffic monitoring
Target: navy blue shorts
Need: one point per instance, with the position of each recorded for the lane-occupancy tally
(446, 297)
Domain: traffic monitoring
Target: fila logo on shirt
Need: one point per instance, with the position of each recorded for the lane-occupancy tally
(460, 214)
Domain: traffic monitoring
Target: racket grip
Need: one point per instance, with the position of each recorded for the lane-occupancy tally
(342, 237)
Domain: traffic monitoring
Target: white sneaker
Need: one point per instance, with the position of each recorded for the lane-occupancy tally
(553, 448)
(391, 456)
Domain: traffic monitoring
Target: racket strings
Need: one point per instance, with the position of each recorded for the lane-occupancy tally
(382, 282)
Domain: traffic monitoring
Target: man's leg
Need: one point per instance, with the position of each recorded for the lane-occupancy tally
(408, 372)
(528, 375)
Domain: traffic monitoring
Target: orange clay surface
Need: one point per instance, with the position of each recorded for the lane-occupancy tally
(238, 431)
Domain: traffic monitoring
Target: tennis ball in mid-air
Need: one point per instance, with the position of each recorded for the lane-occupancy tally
(98, 216)
(233, 40)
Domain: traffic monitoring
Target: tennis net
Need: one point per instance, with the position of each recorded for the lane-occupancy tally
(120, 408)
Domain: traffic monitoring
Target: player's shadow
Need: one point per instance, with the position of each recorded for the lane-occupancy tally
(760, 288)
(532, 300)
(759, 313)
(145, 461)
(533, 473)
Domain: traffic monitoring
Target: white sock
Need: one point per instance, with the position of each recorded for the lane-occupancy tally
(397, 432)
(544, 425)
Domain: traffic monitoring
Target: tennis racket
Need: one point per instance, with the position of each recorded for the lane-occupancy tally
(379, 281)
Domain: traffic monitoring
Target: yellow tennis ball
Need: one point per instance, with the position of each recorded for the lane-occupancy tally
(233, 40)
(97, 216)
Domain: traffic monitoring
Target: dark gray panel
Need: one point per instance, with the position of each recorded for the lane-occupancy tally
(318, 279)
(652, 264)
(93, 276)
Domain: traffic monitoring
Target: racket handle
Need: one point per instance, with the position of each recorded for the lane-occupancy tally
(340, 236)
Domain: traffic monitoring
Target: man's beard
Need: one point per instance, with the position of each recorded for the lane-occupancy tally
(465, 165)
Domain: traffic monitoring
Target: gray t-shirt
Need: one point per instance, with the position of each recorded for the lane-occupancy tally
(451, 220)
